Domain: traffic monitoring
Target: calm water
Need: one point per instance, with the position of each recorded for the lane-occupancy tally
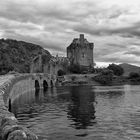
(82, 113)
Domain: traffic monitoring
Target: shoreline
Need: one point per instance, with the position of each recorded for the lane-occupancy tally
(9, 128)
(88, 79)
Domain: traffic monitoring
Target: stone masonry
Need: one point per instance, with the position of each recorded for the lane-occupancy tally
(80, 51)
(49, 65)
(9, 128)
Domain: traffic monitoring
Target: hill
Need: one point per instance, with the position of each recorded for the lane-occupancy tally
(17, 55)
(129, 68)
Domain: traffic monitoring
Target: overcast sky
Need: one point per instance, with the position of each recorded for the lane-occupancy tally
(113, 26)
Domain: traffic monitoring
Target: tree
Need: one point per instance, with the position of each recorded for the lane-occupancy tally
(106, 72)
(61, 72)
(134, 75)
(117, 70)
(105, 77)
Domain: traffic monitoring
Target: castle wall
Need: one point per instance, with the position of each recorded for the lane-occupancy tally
(52, 68)
(49, 66)
(85, 56)
(46, 68)
(81, 52)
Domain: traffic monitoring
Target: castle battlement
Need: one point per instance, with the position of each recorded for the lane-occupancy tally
(80, 40)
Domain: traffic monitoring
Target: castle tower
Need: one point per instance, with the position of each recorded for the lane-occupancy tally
(81, 39)
(80, 52)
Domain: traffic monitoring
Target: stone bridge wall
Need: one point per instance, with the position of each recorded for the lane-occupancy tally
(25, 83)
(12, 86)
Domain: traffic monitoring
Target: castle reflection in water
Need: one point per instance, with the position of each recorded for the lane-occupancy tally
(79, 103)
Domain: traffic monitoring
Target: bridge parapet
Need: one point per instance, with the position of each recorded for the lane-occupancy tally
(41, 77)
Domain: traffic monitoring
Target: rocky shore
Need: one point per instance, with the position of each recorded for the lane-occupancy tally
(9, 128)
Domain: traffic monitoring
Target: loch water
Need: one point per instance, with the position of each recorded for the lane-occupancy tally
(81, 112)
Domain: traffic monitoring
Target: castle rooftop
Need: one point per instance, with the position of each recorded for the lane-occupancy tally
(80, 40)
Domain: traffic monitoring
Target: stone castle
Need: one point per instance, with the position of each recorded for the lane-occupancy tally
(80, 52)
(51, 65)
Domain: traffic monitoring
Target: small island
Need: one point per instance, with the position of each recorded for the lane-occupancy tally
(77, 68)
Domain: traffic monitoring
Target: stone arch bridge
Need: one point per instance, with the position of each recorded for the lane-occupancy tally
(11, 87)
(23, 83)
(42, 80)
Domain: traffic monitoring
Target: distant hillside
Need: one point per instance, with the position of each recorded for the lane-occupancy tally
(17, 55)
(129, 68)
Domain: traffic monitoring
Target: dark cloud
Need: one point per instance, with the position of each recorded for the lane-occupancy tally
(136, 53)
(16, 25)
(113, 45)
(119, 58)
(35, 13)
(130, 31)
(115, 15)
(109, 49)
(53, 24)
(35, 40)
(17, 11)
(117, 53)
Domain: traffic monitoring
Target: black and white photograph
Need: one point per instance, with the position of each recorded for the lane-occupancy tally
(69, 69)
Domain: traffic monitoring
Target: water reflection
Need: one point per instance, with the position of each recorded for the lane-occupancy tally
(37, 95)
(69, 112)
(79, 104)
(81, 108)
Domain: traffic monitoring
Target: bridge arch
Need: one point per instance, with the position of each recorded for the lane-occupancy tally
(37, 86)
(45, 85)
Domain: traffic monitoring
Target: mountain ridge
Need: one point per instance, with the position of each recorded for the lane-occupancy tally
(128, 68)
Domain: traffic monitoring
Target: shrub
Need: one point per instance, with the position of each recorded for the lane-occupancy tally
(5, 68)
(105, 77)
(117, 70)
(92, 70)
(106, 72)
(134, 75)
(74, 68)
(61, 73)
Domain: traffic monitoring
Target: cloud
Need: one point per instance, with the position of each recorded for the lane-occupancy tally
(114, 26)
(136, 53)
(134, 49)
(128, 32)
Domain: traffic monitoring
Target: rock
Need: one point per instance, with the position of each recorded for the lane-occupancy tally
(17, 135)
(11, 131)
(8, 121)
(8, 129)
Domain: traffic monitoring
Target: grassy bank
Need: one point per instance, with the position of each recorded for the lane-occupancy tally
(90, 79)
